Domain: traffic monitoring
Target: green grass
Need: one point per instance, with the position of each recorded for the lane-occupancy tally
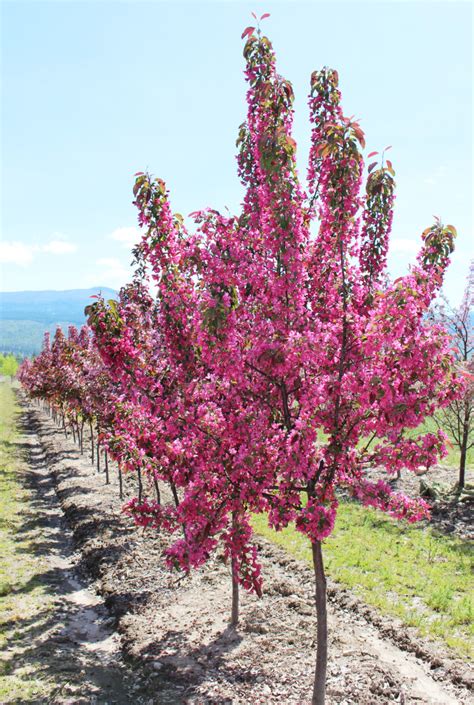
(403, 570)
(24, 602)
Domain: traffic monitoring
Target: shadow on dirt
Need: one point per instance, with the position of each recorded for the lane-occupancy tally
(65, 648)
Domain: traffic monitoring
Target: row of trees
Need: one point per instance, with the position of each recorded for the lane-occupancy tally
(277, 363)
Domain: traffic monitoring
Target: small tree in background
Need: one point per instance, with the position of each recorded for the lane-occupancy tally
(458, 417)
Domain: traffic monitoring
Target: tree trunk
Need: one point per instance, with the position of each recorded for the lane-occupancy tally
(82, 437)
(92, 442)
(157, 490)
(462, 461)
(234, 616)
(319, 688)
(97, 452)
(140, 485)
(107, 478)
(120, 481)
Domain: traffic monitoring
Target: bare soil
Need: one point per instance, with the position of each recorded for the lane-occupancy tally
(174, 632)
(71, 642)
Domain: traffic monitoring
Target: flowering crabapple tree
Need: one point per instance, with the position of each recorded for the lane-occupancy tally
(160, 431)
(69, 375)
(285, 326)
(124, 337)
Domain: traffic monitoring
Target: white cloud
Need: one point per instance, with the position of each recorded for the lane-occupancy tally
(59, 247)
(16, 253)
(113, 272)
(128, 236)
(404, 245)
(21, 253)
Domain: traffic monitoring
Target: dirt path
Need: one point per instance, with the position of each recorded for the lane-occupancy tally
(76, 645)
(177, 632)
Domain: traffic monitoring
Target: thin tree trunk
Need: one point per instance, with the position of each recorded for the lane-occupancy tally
(73, 431)
(175, 494)
(463, 448)
(107, 478)
(462, 461)
(234, 616)
(97, 452)
(319, 688)
(120, 481)
(140, 484)
(176, 502)
(82, 437)
(92, 442)
(157, 490)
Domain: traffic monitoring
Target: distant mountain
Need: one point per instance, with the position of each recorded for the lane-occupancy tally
(26, 315)
(49, 306)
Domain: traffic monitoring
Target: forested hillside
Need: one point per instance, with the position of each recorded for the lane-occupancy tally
(25, 315)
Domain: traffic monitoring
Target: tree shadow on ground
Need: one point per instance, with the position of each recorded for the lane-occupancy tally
(62, 648)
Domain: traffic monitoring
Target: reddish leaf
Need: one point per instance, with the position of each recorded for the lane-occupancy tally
(372, 166)
(267, 14)
(254, 15)
(387, 148)
(359, 134)
(248, 31)
(372, 154)
(139, 173)
(389, 164)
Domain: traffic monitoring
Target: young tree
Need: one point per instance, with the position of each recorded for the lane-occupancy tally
(300, 331)
(269, 336)
(458, 417)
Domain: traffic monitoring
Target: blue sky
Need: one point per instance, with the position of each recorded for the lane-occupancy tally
(95, 91)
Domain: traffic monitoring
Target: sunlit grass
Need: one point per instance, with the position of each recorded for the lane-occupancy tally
(404, 570)
(23, 597)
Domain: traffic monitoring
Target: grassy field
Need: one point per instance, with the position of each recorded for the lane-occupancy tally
(24, 602)
(405, 571)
